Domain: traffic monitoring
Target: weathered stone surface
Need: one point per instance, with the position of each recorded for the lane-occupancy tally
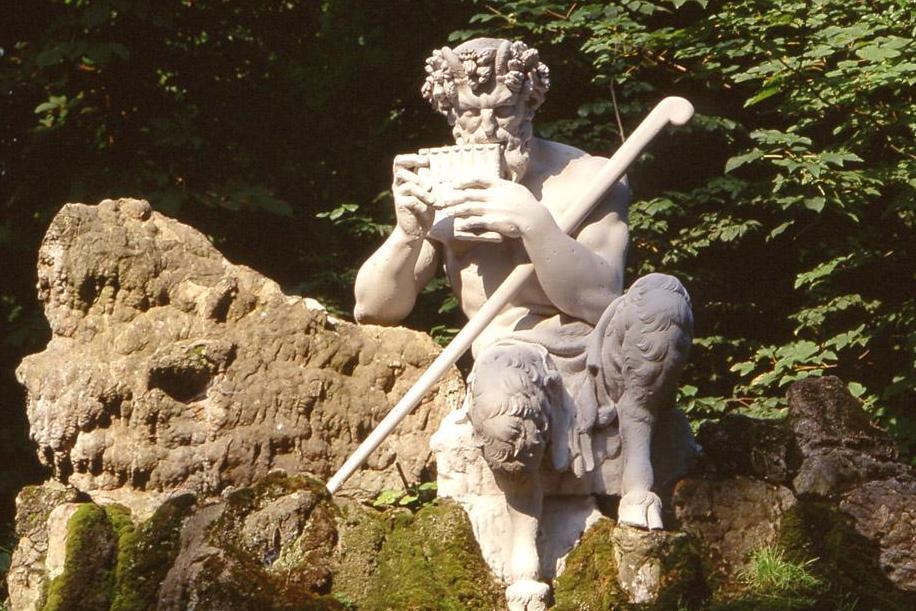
(618, 566)
(845, 458)
(885, 513)
(172, 369)
(268, 546)
(27, 578)
(265, 547)
(736, 445)
(731, 517)
(838, 445)
(823, 537)
(399, 560)
(659, 567)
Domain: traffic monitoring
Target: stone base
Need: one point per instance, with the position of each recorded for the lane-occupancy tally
(465, 477)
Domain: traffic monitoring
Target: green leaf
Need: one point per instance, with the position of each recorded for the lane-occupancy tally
(815, 203)
(407, 499)
(46, 106)
(779, 229)
(687, 390)
(387, 498)
(874, 53)
(739, 160)
(762, 95)
(856, 389)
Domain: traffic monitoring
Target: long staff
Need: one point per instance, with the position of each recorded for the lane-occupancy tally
(674, 110)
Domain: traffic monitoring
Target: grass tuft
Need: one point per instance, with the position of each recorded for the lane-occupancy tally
(771, 575)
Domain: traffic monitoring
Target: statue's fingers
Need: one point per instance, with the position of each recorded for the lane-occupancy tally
(452, 198)
(411, 204)
(467, 209)
(411, 161)
(418, 192)
(468, 225)
(476, 180)
(475, 223)
(402, 175)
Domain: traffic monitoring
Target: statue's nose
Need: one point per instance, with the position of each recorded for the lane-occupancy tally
(488, 122)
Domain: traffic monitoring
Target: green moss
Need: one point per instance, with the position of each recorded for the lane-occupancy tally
(428, 560)
(125, 533)
(238, 578)
(589, 581)
(683, 583)
(362, 534)
(87, 580)
(146, 553)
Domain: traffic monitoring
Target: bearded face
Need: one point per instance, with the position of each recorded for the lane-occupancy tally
(489, 89)
(502, 120)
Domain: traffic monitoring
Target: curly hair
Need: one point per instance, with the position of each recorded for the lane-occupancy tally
(483, 64)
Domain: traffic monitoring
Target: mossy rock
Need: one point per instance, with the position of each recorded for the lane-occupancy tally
(427, 560)
(362, 533)
(613, 563)
(589, 582)
(113, 564)
(264, 547)
(87, 580)
(146, 552)
(815, 534)
(845, 561)
(271, 549)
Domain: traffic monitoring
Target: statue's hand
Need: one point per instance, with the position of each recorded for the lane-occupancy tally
(412, 197)
(494, 204)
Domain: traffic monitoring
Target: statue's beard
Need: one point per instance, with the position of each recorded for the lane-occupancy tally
(515, 154)
(515, 148)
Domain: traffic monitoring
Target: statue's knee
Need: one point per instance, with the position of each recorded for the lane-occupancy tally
(658, 303)
(508, 403)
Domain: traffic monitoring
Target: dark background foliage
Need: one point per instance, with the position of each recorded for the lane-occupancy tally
(786, 206)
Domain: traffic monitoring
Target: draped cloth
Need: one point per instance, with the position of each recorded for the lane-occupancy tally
(629, 345)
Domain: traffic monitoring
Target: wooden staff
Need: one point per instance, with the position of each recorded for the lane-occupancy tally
(674, 110)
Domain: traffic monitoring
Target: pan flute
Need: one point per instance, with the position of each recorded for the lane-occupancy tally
(451, 163)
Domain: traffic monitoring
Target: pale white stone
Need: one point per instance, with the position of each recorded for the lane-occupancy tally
(574, 377)
(58, 534)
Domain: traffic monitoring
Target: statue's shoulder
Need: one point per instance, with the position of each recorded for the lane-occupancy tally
(568, 161)
(568, 169)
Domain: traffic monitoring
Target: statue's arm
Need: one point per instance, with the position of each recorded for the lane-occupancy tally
(388, 283)
(581, 275)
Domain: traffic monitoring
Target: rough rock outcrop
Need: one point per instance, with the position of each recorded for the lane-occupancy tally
(181, 399)
(280, 544)
(732, 518)
(824, 486)
(617, 567)
(845, 459)
(172, 369)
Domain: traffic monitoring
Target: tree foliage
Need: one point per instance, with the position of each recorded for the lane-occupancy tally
(787, 206)
(243, 119)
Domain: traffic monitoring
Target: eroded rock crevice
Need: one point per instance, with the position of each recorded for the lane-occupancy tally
(189, 410)
(170, 368)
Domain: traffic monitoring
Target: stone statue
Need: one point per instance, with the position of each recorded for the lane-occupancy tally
(573, 383)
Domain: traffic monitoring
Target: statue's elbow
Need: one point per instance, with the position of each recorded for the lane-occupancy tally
(371, 316)
(365, 316)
